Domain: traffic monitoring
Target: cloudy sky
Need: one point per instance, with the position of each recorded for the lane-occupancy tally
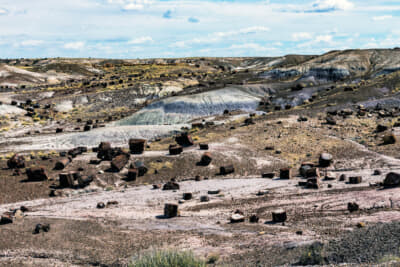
(184, 28)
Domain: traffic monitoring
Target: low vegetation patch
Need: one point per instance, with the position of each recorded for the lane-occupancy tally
(167, 258)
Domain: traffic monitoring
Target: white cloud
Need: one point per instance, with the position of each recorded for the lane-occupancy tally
(379, 18)
(324, 38)
(320, 40)
(249, 30)
(331, 5)
(301, 36)
(133, 6)
(130, 5)
(219, 36)
(251, 46)
(74, 45)
(32, 42)
(3, 11)
(141, 40)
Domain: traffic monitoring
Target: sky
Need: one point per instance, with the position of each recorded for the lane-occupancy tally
(187, 28)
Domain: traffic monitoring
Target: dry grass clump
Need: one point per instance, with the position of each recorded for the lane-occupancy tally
(167, 258)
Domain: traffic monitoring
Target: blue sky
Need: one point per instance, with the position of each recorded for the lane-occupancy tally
(185, 28)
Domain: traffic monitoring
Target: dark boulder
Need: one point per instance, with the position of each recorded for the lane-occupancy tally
(36, 174)
(392, 180)
(16, 162)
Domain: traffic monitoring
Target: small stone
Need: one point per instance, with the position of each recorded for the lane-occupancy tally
(279, 216)
(187, 196)
(101, 205)
(170, 210)
(254, 218)
(204, 199)
(377, 172)
(237, 218)
(352, 206)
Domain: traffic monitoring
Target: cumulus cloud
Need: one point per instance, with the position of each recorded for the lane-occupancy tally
(331, 5)
(219, 36)
(320, 40)
(380, 18)
(32, 43)
(249, 30)
(130, 5)
(3, 11)
(301, 36)
(74, 45)
(141, 40)
(251, 46)
(324, 38)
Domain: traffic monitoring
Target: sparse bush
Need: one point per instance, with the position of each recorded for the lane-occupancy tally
(167, 258)
(312, 255)
(212, 259)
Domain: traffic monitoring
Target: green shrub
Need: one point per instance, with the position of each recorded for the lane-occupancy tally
(167, 258)
(312, 255)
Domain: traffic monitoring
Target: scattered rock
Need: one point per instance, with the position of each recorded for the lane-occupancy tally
(187, 196)
(137, 146)
(269, 175)
(228, 169)
(237, 218)
(175, 149)
(330, 176)
(170, 210)
(325, 160)
(285, 173)
(119, 162)
(392, 180)
(141, 168)
(101, 205)
(112, 203)
(313, 183)
(16, 162)
(352, 206)
(62, 163)
(41, 228)
(377, 172)
(5, 220)
(184, 139)
(254, 218)
(203, 146)
(279, 216)
(171, 186)
(206, 159)
(214, 192)
(66, 180)
(389, 139)
(36, 174)
(204, 198)
(330, 120)
(132, 174)
(381, 128)
(355, 180)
